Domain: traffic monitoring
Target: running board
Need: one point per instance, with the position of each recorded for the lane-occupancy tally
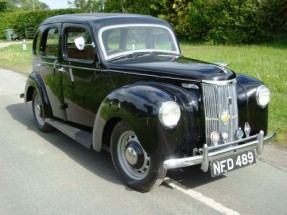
(79, 135)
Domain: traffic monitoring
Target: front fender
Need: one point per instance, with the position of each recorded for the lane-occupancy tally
(248, 109)
(139, 104)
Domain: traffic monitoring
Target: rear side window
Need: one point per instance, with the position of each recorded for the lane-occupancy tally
(51, 47)
(37, 43)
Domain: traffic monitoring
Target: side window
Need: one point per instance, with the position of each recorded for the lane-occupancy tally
(79, 44)
(51, 47)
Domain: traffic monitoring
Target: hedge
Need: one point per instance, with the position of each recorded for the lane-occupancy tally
(226, 21)
(18, 20)
(211, 21)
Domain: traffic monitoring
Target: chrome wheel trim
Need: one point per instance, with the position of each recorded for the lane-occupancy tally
(124, 152)
(38, 110)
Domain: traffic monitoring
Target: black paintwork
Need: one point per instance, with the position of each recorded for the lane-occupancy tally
(35, 81)
(132, 88)
(180, 68)
(99, 20)
(248, 108)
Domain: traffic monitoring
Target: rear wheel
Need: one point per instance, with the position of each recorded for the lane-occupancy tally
(139, 170)
(37, 106)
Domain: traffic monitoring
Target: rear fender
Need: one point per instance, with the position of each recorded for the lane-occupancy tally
(35, 82)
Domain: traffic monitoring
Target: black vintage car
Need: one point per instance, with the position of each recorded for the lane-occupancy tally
(119, 82)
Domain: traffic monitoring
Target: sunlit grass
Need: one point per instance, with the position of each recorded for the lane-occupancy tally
(13, 57)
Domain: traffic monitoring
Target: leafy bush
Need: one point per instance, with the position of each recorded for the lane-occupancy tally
(6, 22)
(212, 21)
(199, 20)
(273, 16)
(17, 21)
(176, 12)
(226, 21)
(235, 21)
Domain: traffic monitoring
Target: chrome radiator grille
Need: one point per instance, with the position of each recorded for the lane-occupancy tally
(220, 108)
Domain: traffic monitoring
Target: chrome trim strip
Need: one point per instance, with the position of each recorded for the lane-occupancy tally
(177, 51)
(42, 63)
(69, 66)
(78, 67)
(225, 82)
(217, 152)
(189, 86)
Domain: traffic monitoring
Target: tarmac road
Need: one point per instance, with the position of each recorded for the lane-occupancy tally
(3, 45)
(44, 173)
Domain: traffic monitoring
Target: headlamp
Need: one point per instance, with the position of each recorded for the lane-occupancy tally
(169, 114)
(262, 96)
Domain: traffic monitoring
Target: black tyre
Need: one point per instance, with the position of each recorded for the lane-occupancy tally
(137, 169)
(37, 106)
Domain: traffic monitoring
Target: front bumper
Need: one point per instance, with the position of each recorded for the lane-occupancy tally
(208, 154)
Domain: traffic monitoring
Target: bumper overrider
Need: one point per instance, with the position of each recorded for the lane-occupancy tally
(208, 154)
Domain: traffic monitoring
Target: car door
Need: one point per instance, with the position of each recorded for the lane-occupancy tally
(48, 66)
(82, 79)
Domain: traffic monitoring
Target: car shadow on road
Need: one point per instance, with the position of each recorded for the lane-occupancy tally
(99, 163)
(191, 177)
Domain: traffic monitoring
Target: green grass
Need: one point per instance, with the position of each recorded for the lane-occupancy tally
(14, 58)
(265, 62)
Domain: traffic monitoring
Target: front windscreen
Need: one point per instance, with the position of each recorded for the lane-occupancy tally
(119, 40)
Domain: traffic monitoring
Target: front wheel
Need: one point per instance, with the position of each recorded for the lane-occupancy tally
(37, 106)
(139, 170)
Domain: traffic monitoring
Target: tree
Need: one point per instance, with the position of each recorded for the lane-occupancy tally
(3, 5)
(273, 17)
(214, 21)
(147, 7)
(88, 6)
(26, 5)
(199, 20)
(176, 12)
(117, 6)
(242, 21)
(114, 6)
(44, 6)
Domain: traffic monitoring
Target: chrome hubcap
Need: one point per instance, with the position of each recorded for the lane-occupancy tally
(132, 157)
(135, 154)
(38, 109)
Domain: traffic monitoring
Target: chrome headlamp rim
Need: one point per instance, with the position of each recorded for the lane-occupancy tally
(166, 110)
(259, 101)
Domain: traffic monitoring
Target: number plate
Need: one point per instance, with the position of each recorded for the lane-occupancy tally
(219, 167)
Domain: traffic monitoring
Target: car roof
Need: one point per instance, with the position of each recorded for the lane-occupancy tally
(104, 19)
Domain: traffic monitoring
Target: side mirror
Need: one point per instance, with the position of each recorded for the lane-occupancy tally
(80, 43)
